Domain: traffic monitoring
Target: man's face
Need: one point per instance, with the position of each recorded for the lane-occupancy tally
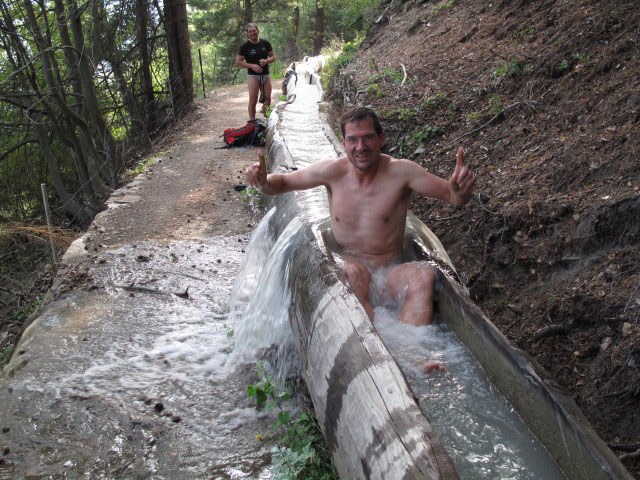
(252, 34)
(362, 144)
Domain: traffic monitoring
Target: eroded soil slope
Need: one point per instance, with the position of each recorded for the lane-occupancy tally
(545, 98)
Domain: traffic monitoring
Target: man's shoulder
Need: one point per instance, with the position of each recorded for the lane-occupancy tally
(401, 163)
(266, 43)
(331, 168)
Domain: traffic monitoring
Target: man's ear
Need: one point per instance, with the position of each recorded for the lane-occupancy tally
(381, 136)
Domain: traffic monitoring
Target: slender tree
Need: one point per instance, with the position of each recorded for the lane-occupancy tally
(179, 48)
(318, 39)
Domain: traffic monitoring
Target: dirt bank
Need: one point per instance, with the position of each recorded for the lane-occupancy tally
(544, 98)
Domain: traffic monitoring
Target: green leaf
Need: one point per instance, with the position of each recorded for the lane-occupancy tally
(261, 397)
(284, 417)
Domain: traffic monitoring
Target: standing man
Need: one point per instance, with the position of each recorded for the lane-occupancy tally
(369, 195)
(255, 55)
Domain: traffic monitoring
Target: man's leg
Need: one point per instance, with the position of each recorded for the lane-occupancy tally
(253, 82)
(415, 282)
(267, 93)
(360, 280)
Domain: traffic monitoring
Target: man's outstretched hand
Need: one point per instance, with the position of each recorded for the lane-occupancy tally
(462, 181)
(256, 174)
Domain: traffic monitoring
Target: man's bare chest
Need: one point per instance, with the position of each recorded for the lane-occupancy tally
(375, 205)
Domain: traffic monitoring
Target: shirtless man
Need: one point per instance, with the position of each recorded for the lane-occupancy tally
(368, 199)
(255, 55)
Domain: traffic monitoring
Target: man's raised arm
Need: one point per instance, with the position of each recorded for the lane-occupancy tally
(277, 183)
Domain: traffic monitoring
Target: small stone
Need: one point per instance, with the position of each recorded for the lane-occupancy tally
(609, 275)
(158, 407)
(627, 329)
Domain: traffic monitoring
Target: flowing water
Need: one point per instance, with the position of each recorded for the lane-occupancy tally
(483, 435)
(134, 378)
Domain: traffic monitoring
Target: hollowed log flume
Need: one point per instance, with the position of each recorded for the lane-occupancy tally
(369, 415)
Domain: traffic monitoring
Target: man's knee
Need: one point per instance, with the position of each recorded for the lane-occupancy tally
(410, 278)
(424, 279)
(358, 276)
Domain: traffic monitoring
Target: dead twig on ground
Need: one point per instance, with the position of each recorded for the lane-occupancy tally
(629, 456)
(624, 447)
(551, 330)
(153, 291)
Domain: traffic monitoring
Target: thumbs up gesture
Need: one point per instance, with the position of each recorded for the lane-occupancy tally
(256, 174)
(461, 182)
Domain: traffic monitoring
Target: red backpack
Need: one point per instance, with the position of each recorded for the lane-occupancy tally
(251, 134)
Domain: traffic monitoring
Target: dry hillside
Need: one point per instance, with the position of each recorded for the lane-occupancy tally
(545, 98)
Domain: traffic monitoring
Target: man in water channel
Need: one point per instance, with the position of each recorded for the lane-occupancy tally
(369, 196)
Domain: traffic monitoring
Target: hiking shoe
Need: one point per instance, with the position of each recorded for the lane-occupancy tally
(262, 98)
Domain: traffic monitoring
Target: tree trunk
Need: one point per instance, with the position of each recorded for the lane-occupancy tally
(110, 155)
(293, 41)
(248, 12)
(179, 48)
(151, 118)
(318, 40)
(71, 206)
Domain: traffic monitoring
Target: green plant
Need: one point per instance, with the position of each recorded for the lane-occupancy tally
(451, 113)
(6, 355)
(397, 75)
(405, 114)
(20, 316)
(472, 118)
(408, 143)
(508, 69)
(449, 4)
(373, 89)
(564, 64)
(303, 453)
(432, 102)
(139, 167)
(422, 134)
(494, 104)
(336, 63)
(581, 57)
(347, 54)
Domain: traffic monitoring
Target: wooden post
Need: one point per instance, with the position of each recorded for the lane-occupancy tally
(204, 94)
(173, 104)
(215, 61)
(47, 214)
